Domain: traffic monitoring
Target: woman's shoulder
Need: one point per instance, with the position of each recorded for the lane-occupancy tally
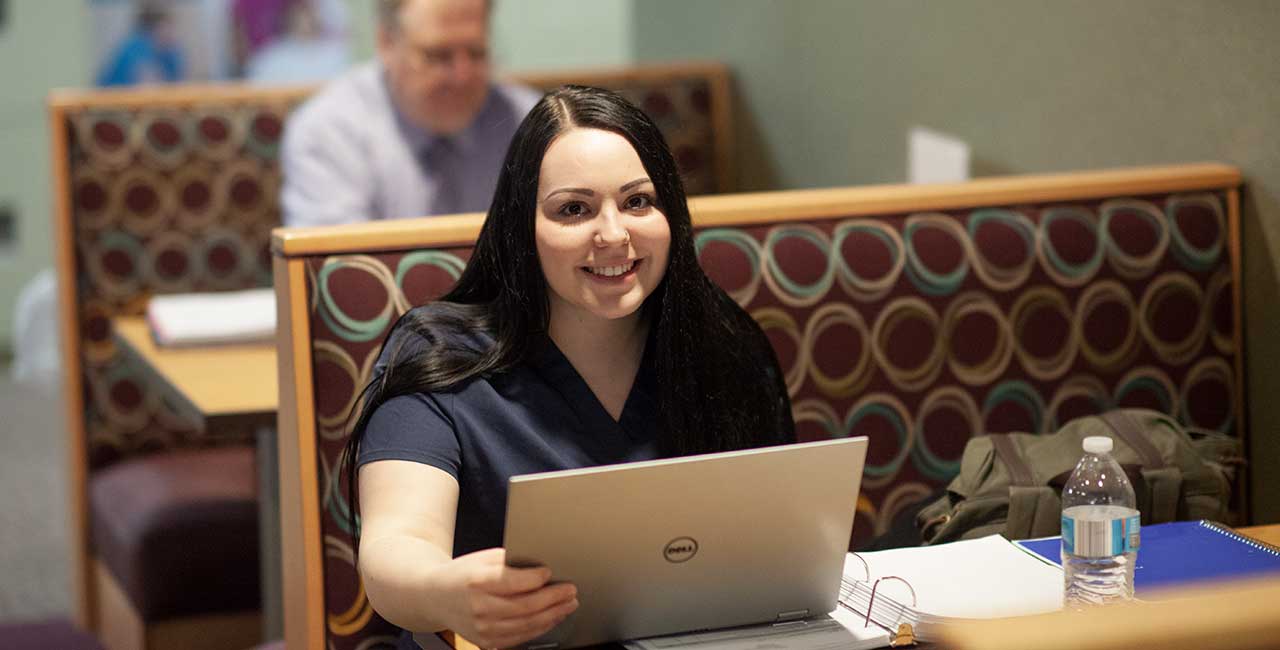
(435, 336)
(447, 326)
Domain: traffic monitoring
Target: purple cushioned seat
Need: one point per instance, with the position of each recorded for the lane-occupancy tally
(179, 530)
(45, 634)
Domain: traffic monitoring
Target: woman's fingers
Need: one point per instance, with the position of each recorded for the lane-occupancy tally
(502, 580)
(487, 571)
(496, 607)
(510, 605)
(505, 632)
(538, 601)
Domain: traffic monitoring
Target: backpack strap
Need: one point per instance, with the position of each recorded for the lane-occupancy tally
(1034, 509)
(1128, 429)
(1164, 481)
(1014, 463)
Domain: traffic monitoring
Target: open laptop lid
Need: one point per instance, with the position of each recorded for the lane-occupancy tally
(710, 541)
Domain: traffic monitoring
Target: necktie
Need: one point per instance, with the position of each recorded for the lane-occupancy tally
(443, 165)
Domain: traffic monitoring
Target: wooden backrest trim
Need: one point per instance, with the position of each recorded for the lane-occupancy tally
(301, 534)
(1237, 337)
(72, 100)
(82, 576)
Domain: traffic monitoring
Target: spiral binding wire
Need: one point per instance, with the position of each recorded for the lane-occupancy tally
(1247, 541)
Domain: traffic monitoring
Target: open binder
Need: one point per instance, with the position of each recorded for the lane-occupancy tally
(932, 586)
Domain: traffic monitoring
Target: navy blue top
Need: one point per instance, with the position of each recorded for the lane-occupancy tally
(538, 417)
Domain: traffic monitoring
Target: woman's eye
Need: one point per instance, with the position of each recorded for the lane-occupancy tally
(639, 202)
(573, 209)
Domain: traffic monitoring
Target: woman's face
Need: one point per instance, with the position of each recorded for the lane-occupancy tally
(602, 242)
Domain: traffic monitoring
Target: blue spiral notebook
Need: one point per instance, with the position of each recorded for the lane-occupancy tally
(1182, 552)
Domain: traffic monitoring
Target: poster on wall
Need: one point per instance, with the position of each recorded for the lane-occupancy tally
(175, 41)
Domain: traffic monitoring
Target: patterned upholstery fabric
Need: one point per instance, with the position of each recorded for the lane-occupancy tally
(164, 199)
(357, 299)
(917, 330)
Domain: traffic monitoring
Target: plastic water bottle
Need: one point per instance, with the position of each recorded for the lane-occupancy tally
(1100, 529)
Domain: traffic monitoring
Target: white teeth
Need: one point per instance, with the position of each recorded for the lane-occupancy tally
(611, 271)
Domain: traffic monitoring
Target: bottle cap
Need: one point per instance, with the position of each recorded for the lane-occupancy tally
(1098, 445)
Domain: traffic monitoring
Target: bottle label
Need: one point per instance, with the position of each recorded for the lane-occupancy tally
(1100, 537)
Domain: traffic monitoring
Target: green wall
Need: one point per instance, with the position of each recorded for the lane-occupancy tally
(42, 46)
(562, 34)
(828, 89)
(541, 34)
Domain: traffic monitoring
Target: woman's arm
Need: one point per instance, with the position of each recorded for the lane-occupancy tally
(406, 539)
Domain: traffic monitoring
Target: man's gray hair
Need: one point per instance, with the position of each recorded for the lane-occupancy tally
(389, 13)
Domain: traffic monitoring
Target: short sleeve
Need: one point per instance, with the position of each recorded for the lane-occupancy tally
(414, 428)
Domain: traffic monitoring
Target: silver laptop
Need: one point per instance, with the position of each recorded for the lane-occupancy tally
(711, 541)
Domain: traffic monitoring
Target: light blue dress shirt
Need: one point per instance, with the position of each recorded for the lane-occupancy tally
(348, 155)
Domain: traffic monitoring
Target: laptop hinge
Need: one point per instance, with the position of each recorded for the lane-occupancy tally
(793, 615)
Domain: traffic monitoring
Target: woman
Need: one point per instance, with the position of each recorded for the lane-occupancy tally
(582, 332)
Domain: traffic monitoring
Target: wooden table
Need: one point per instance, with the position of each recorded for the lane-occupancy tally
(217, 385)
(209, 383)
(1269, 534)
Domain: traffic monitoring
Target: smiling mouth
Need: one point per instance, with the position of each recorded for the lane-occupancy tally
(617, 270)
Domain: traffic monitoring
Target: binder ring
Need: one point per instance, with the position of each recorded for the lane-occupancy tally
(865, 566)
(872, 601)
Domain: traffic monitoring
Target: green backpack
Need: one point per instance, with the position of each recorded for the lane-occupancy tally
(1010, 483)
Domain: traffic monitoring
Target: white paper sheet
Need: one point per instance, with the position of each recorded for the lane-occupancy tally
(980, 578)
(213, 318)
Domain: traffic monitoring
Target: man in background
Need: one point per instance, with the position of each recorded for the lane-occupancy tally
(422, 130)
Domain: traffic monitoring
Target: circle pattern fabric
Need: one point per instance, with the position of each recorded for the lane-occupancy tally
(163, 200)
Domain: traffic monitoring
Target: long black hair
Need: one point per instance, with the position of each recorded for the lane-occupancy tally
(719, 387)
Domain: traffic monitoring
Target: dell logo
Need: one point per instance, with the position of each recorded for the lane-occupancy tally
(680, 549)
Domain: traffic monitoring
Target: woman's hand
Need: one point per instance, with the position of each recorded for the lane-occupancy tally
(408, 512)
(496, 606)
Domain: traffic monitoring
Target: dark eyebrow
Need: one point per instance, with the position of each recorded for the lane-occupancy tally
(638, 181)
(569, 190)
(586, 192)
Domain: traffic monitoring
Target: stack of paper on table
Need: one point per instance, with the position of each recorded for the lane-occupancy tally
(213, 318)
(981, 578)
